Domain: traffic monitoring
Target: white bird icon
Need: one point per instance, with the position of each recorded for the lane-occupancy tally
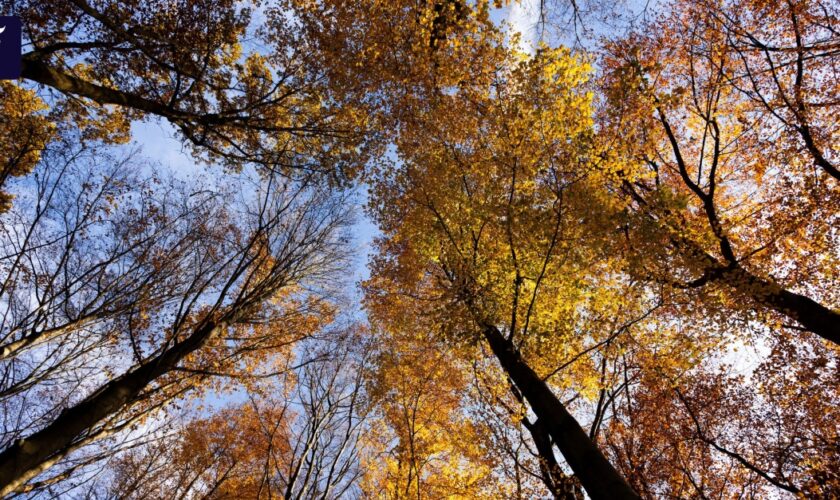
(2, 29)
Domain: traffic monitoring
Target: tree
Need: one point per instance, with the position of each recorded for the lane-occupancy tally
(297, 437)
(193, 305)
(481, 221)
(423, 444)
(530, 463)
(716, 429)
(445, 422)
(236, 92)
(724, 191)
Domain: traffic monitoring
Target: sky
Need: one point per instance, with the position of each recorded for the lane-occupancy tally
(523, 17)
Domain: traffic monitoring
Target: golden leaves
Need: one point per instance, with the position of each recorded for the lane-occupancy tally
(24, 132)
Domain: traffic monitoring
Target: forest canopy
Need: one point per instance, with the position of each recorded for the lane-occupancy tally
(421, 249)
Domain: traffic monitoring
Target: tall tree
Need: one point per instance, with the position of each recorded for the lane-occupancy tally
(234, 90)
(483, 218)
(126, 292)
(140, 308)
(729, 181)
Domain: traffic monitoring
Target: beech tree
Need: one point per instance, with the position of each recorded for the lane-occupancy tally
(728, 185)
(233, 90)
(139, 324)
(144, 292)
(443, 426)
(481, 219)
(299, 435)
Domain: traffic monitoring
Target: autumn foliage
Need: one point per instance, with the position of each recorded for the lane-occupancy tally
(606, 268)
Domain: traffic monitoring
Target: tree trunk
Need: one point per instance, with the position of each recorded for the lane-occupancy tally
(30, 456)
(598, 477)
(561, 485)
(812, 315)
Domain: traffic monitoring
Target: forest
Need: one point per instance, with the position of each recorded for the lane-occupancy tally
(421, 249)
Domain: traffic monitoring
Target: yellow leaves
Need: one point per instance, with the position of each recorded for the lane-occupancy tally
(428, 445)
(495, 203)
(25, 130)
(256, 72)
(231, 54)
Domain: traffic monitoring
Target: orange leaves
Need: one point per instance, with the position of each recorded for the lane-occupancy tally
(226, 453)
(716, 431)
(699, 107)
(423, 442)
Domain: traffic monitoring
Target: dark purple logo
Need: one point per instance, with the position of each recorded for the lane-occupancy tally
(9, 47)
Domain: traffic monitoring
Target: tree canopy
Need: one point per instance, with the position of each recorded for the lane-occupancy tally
(605, 268)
